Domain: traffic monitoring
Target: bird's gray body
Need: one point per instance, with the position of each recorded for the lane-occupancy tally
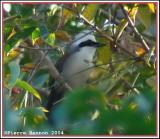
(75, 65)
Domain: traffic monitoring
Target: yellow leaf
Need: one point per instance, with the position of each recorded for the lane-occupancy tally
(90, 11)
(67, 14)
(50, 40)
(11, 34)
(27, 67)
(140, 51)
(14, 52)
(63, 35)
(38, 41)
(95, 74)
(75, 5)
(44, 110)
(124, 22)
(132, 12)
(95, 115)
(151, 7)
(38, 119)
(110, 131)
(132, 106)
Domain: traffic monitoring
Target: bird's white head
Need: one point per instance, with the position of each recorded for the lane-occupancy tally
(83, 37)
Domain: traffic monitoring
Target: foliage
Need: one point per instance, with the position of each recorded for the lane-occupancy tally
(120, 97)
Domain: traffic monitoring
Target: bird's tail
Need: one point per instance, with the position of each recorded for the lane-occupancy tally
(54, 97)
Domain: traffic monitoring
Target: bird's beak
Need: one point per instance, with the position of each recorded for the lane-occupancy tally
(100, 44)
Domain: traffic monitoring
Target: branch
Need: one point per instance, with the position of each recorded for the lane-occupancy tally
(130, 86)
(103, 34)
(96, 28)
(113, 19)
(134, 82)
(51, 67)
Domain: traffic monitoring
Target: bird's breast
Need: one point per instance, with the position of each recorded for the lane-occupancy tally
(76, 68)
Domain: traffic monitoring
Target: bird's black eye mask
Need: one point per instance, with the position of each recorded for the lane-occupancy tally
(90, 43)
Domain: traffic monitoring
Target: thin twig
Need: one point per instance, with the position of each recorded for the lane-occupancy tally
(130, 86)
(37, 48)
(60, 100)
(61, 18)
(135, 30)
(43, 91)
(133, 84)
(10, 18)
(36, 67)
(111, 73)
(32, 73)
(113, 19)
(97, 66)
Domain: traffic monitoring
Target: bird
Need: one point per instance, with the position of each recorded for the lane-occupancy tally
(76, 64)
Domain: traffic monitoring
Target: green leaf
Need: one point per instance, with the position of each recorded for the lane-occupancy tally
(14, 73)
(28, 87)
(35, 35)
(35, 116)
(79, 105)
(100, 19)
(144, 15)
(21, 9)
(90, 11)
(26, 32)
(7, 48)
(104, 54)
(50, 39)
(23, 34)
(28, 23)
